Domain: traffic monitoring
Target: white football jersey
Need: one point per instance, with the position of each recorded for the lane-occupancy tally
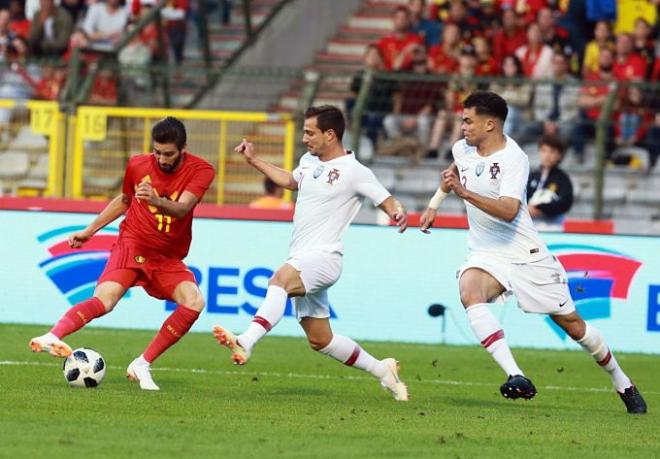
(329, 196)
(504, 173)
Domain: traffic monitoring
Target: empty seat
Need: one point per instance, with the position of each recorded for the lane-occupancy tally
(14, 165)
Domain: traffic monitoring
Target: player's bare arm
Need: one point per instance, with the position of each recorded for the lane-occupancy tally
(112, 211)
(278, 175)
(505, 208)
(428, 216)
(396, 212)
(176, 209)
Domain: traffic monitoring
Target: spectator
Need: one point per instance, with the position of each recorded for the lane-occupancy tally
(176, 26)
(554, 108)
(50, 30)
(398, 46)
(76, 8)
(627, 12)
(273, 198)
(602, 39)
(553, 36)
(379, 101)
(419, 23)
(443, 58)
(19, 23)
(593, 95)
(469, 25)
(486, 63)
(549, 189)
(11, 45)
(415, 106)
(535, 56)
(104, 24)
(643, 45)
(652, 141)
(627, 64)
(509, 37)
(632, 118)
(449, 119)
(517, 94)
(489, 18)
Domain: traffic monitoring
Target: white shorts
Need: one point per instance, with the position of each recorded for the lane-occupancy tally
(540, 287)
(319, 271)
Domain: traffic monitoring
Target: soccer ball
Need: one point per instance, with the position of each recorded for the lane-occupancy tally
(84, 368)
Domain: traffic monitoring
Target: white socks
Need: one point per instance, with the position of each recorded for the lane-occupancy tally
(268, 315)
(593, 343)
(488, 331)
(350, 353)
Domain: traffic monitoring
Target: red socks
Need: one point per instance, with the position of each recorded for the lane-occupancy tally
(174, 327)
(77, 316)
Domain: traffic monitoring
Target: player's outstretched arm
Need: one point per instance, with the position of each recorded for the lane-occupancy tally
(112, 211)
(428, 216)
(396, 212)
(278, 175)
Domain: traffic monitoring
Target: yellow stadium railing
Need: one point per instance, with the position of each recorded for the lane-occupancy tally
(105, 137)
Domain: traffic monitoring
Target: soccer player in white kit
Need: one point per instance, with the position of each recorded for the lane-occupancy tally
(506, 255)
(331, 184)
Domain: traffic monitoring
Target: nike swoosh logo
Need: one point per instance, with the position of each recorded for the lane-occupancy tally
(562, 304)
(464, 169)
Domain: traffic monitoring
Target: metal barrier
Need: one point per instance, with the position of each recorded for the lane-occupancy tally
(114, 133)
(32, 137)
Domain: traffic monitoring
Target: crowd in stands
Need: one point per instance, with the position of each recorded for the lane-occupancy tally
(49, 30)
(553, 61)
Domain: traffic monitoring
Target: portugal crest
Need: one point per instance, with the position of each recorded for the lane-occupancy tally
(494, 170)
(333, 176)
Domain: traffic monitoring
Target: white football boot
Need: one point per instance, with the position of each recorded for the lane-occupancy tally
(51, 344)
(225, 338)
(139, 370)
(391, 381)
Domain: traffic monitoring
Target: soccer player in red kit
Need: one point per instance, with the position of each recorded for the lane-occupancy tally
(159, 194)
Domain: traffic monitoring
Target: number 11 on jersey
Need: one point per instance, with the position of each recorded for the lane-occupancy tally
(163, 218)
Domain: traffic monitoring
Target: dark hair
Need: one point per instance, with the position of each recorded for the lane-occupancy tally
(487, 103)
(270, 186)
(169, 130)
(402, 8)
(520, 72)
(553, 141)
(328, 117)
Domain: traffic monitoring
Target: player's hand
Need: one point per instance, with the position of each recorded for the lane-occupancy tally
(451, 180)
(76, 240)
(427, 219)
(400, 216)
(146, 193)
(246, 149)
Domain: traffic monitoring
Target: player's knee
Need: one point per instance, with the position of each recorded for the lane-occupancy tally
(277, 280)
(471, 297)
(318, 342)
(576, 329)
(108, 302)
(195, 302)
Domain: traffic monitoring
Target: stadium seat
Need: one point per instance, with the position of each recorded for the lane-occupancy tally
(14, 165)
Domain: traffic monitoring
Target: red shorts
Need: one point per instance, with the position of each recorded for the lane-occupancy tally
(158, 275)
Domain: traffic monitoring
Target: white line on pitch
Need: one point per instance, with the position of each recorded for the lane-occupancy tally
(443, 382)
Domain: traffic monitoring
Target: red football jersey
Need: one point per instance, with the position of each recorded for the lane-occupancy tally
(146, 226)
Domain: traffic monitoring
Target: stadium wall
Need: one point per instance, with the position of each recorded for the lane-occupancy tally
(388, 283)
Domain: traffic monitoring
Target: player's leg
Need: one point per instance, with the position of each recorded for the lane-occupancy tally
(341, 348)
(593, 342)
(477, 289)
(106, 295)
(190, 302)
(284, 283)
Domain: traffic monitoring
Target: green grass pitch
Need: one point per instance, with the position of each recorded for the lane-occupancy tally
(291, 402)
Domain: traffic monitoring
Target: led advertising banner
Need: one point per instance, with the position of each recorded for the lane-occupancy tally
(389, 280)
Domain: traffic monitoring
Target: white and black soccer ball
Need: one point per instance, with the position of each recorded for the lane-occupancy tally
(84, 368)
